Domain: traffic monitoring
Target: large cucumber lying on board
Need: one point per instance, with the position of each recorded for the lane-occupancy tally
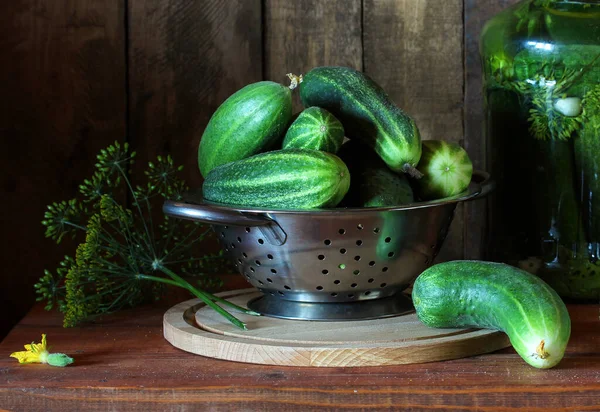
(316, 129)
(252, 120)
(367, 113)
(282, 179)
(496, 296)
(446, 168)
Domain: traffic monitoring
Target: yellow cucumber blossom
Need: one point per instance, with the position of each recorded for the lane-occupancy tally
(38, 353)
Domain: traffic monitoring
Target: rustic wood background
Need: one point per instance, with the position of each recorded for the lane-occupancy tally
(79, 74)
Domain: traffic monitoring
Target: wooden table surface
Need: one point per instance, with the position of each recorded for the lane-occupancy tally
(124, 363)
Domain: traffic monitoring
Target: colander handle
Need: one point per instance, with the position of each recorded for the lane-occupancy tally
(485, 182)
(206, 214)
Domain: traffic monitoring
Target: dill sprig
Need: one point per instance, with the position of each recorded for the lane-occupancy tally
(545, 121)
(125, 257)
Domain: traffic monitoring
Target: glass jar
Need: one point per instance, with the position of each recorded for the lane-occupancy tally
(541, 65)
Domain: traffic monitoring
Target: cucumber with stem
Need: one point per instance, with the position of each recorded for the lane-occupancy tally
(446, 168)
(496, 296)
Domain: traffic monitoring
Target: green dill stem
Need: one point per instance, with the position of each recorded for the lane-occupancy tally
(183, 244)
(208, 295)
(137, 204)
(172, 262)
(205, 297)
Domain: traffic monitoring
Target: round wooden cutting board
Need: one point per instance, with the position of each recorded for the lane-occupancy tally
(195, 328)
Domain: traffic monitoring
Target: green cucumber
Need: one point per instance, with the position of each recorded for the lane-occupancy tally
(373, 184)
(252, 120)
(282, 179)
(447, 170)
(367, 113)
(497, 296)
(316, 129)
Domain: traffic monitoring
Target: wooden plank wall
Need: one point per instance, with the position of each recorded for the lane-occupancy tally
(80, 74)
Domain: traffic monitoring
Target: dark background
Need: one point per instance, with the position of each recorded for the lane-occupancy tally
(76, 75)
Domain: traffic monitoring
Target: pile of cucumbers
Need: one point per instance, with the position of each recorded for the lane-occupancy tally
(255, 153)
(353, 147)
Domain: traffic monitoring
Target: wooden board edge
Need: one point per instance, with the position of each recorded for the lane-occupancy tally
(183, 335)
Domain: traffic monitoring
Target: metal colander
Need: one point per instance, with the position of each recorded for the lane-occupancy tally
(330, 264)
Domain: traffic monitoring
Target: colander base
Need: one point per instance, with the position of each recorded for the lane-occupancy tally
(360, 310)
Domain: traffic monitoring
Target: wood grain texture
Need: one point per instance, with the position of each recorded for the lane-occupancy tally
(413, 49)
(389, 341)
(63, 89)
(185, 59)
(476, 13)
(124, 363)
(300, 35)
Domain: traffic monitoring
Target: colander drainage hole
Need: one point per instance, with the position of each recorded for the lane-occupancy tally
(270, 256)
(247, 230)
(337, 282)
(385, 269)
(371, 280)
(353, 285)
(360, 226)
(351, 295)
(257, 262)
(239, 239)
(240, 260)
(334, 294)
(376, 230)
(233, 246)
(327, 242)
(273, 271)
(260, 282)
(433, 246)
(321, 257)
(244, 255)
(324, 271)
(359, 242)
(367, 293)
(269, 280)
(287, 287)
(342, 231)
(261, 241)
(383, 285)
(357, 258)
(252, 269)
(372, 263)
(356, 272)
(391, 254)
(343, 251)
(280, 292)
(319, 287)
(388, 239)
(222, 234)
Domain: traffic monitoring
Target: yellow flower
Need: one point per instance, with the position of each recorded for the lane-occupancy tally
(38, 353)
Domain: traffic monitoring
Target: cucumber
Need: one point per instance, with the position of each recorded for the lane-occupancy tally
(252, 120)
(282, 179)
(447, 170)
(367, 113)
(316, 129)
(496, 296)
(373, 184)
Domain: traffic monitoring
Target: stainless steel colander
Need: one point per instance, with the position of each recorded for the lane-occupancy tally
(331, 264)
